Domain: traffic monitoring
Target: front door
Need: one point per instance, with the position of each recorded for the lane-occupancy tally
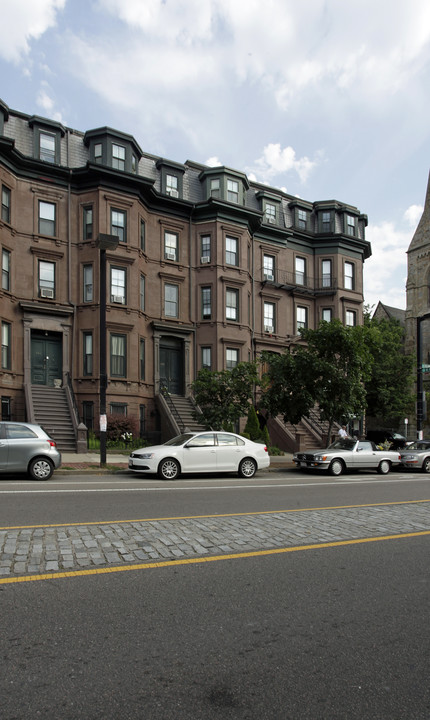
(172, 367)
(46, 359)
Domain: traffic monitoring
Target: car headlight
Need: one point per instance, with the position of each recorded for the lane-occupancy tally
(144, 456)
(320, 458)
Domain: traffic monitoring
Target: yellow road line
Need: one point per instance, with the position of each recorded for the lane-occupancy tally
(194, 561)
(221, 515)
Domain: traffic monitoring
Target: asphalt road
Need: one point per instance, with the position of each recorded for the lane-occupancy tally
(326, 630)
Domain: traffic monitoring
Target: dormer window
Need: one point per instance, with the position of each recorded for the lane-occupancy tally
(350, 225)
(98, 153)
(270, 213)
(214, 188)
(47, 147)
(47, 136)
(225, 184)
(172, 185)
(232, 191)
(114, 149)
(118, 157)
(326, 221)
(302, 219)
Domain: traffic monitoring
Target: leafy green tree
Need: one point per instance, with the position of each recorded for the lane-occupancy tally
(286, 390)
(328, 371)
(252, 428)
(389, 388)
(224, 396)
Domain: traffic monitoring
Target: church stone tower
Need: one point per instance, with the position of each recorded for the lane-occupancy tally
(418, 288)
(418, 282)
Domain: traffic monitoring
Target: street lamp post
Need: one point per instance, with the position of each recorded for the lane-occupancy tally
(104, 242)
(420, 385)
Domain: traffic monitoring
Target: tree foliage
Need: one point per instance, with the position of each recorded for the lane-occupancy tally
(224, 396)
(389, 389)
(329, 372)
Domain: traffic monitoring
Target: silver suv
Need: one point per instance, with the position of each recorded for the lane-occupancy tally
(26, 448)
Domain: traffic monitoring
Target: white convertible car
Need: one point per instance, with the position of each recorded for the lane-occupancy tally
(348, 454)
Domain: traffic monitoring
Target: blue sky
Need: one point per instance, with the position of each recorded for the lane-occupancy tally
(323, 98)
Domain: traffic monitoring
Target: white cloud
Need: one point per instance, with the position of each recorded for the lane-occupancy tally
(47, 104)
(279, 161)
(385, 271)
(413, 214)
(213, 162)
(23, 21)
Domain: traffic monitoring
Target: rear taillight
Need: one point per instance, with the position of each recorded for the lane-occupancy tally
(265, 448)
(52, 443)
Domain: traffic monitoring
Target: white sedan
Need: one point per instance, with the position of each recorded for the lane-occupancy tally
(201, 452)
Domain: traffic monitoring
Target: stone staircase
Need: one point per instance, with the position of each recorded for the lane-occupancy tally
(51, 411)
(309, 433)
(183, 411)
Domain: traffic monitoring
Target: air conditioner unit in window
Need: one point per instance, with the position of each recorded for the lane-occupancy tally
(170, 255)
(46, 292)
(268, 328)
(268, 276)
(173, 193)
(270, 220)
(205, 259)
(118, 299)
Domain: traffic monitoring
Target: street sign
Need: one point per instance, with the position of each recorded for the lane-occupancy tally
(425, 368)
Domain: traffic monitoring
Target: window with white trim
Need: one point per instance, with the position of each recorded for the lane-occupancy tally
(326, 273)
(349, 280)
(206, 303)
(207, 358)
(270, 213)
(172, 185)
(46, 279)
(5, 269)
(118, 358)
(268, 267)
(47, 219)
(142, 293)
(300, 266)
(269, 317)
(231, 358)
(118, 279)
(5, 203)
(88, 353)
(171, 300)
(88, 283)
(231, 251)
(350, 318)
(6, 334)
(170, 246)
(301, 318)
(232, 304)
(327, 314)
(88, 222)
(205, 249)
(119, 224)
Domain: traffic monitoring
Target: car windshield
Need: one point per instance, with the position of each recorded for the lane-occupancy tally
(345, 444)
(180, 439)
(419, 445)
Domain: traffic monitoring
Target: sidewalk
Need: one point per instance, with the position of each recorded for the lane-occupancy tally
(91, 462)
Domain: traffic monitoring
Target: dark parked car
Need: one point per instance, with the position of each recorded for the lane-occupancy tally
(379, 436)
(26, 448)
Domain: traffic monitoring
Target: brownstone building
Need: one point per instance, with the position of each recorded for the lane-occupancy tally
(210, 270)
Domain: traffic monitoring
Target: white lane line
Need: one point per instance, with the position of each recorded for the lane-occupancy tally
(205, 487)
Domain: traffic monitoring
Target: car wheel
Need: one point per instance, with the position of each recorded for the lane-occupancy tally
(247, 468)
(426, 465)
(384, 467)
(168, 469)
(40, 469)
(336, 467)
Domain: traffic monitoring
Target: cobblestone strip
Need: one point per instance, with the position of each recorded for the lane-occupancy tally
(41, 550)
